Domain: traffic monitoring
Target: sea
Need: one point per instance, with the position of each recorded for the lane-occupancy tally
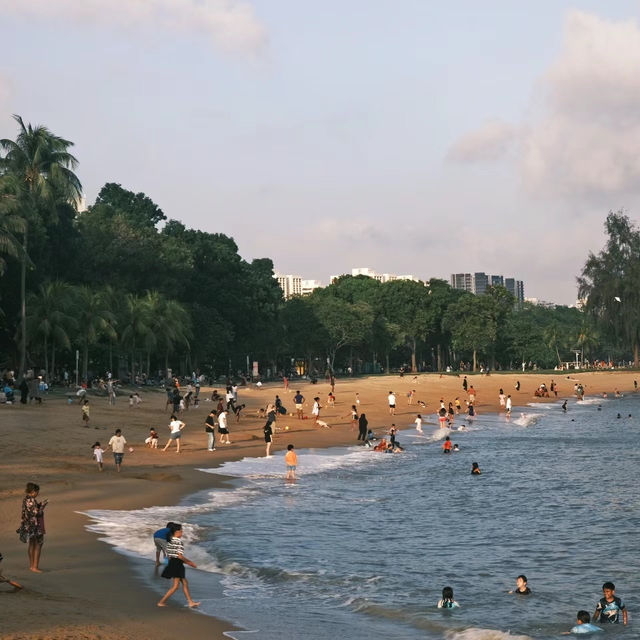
(362, 544)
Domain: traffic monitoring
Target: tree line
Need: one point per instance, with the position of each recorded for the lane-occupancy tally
(137, 293)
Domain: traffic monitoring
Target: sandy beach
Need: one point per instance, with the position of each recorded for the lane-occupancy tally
(87, 590)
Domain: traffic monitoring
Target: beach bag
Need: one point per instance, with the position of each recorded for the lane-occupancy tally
(22, 532)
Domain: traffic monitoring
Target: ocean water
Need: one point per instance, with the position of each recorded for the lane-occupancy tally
(362, 544)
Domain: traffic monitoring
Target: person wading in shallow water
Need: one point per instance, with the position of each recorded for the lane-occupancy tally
(175, 568)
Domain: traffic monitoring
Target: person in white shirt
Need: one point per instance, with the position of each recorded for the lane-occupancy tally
(392, 403)
(117, 444)
(223, 428)
(176, 426)
(418, 422)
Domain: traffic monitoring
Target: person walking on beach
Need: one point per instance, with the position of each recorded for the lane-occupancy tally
(98, 452)
(176, 426)
(363, 423)
(32, 529)
(175, 568)
(315, 412)
(117, 444)
(464, 383)
(298, 399)
(209, 425)
(508, 406)
(291, 460)
(85, 413)
(353, 414)
(391, 398)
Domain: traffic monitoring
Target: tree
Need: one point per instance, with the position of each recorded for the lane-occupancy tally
(472, 324)
(138, 208)
(49, 319)
(95, 318)
(41, 163)
(11, 223)
(609, 282)
(344, 323)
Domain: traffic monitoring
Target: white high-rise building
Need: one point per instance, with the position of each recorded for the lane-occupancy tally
(291, 285)
(380, 277)
(309, 285)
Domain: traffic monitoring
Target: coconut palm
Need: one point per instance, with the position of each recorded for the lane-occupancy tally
(172, 326)
(11, 223)
(95, 319)
(50, 320)
(43, 167)
(136, 330)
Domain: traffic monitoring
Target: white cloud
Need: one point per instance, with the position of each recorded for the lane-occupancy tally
(582, 138)
(489, 142)
(230, 24)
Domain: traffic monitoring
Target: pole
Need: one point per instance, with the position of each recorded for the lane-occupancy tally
(77, 360)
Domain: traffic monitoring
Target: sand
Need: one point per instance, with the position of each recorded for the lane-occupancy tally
(86, 589)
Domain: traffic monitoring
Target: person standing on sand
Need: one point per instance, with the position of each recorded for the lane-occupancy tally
(223, 428)
(464, 383)
(85, 413)
(32, 528)
(363, 423)
(175, 568)
(315, 412)
(176, 426)
(298, 399)
(391, 398)
(209, 425)
(117, 444)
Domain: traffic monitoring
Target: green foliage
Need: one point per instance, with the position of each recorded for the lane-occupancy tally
(609, 282)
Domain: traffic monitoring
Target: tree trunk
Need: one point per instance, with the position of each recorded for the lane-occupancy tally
(387, 356)
(474, 360)
(46, 359)
(439, 352)
(414, 369)
(636, 363)
(53, 358)
(148, 364)
(23, 308)
(85, 361)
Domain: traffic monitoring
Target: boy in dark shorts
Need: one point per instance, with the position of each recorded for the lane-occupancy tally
(610, 607)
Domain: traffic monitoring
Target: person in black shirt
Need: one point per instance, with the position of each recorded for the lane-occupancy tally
(521, 586)
(209, 424)
(362, 427)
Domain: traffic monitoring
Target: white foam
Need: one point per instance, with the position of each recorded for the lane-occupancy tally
(474, 633)
(309, 462)
(526, 419)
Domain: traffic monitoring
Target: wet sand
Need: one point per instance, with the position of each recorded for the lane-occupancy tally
(87, 590)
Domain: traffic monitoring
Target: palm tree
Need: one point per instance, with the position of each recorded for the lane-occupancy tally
(49, 320)
(135, 327)
(172, 326)
(42, 165)
(94, 319)
(11, 223)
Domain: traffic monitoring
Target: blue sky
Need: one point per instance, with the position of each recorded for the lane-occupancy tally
(411, 137)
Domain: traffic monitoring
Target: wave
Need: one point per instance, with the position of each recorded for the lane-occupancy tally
(526, 419)
(474, 633)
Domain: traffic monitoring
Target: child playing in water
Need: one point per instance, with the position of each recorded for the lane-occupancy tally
(98, 452)
(291, 460)
(583, 624)
(418, 422)
(447, 601)
(610, 606)
(475, 469)
(446, 446)
(521, 586)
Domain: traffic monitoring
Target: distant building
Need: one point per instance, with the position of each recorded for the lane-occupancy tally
(479, 281)
(309, 285)
(380, 277)
(291, 285)
(541, 303)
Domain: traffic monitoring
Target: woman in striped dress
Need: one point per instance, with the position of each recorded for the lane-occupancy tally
(175, 567)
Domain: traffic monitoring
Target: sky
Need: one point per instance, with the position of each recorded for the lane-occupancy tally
(410, 136)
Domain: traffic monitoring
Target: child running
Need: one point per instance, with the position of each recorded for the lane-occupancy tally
(175, 568)
(98, 452)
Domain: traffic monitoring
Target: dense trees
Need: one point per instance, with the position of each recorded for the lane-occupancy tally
(134, 292)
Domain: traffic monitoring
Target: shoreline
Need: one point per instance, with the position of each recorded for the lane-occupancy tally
(87, 592)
